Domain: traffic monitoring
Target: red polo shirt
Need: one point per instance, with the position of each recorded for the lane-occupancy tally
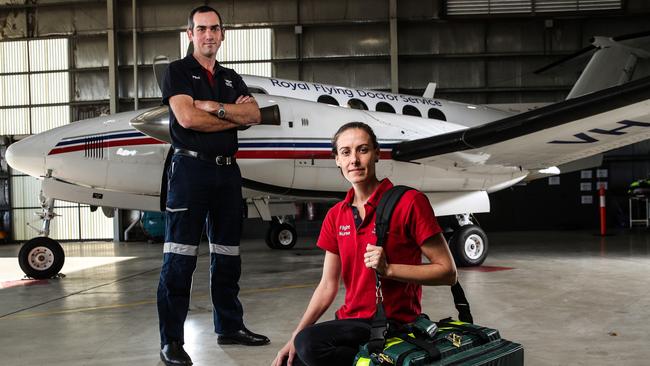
(412, 223)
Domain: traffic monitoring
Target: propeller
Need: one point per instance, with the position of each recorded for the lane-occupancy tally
(160, 64)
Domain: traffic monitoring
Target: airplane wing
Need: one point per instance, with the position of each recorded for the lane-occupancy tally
(543, 138)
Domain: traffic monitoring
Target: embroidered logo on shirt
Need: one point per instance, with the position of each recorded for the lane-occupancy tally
(196, 77)
(344, 230)
(228, 82)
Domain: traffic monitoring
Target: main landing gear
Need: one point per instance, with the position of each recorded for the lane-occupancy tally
(469, 243)
(42, 257)
(281, 234)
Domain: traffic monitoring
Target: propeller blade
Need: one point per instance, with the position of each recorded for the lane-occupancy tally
(565, 59)
(625, 37)
(160, 64)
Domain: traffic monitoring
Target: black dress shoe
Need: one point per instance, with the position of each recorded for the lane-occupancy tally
(243, 336)
(173, 354)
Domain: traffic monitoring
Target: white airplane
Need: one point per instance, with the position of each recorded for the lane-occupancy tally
(456, 154)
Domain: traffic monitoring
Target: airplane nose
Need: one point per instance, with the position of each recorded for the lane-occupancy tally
(28, 155)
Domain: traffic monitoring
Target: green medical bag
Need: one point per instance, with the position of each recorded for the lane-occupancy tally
(454, 343)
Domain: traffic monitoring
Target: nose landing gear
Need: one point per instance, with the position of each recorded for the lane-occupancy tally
(42, 257)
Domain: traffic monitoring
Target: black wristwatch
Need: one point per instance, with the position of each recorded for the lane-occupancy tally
(221, 112)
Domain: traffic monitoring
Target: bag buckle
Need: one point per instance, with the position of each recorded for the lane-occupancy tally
(455, 339)
(382, 359)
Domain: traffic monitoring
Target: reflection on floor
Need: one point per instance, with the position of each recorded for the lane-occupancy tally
(10, 271)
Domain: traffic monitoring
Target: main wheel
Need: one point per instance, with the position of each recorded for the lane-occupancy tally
(469, 245)
(267, 238)
(282, 236)
(41, 258)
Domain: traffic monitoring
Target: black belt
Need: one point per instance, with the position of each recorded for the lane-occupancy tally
(219, 159)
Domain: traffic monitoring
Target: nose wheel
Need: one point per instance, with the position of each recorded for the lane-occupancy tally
(41, 258)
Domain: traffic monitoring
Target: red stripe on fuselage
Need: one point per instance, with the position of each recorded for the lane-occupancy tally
(115, 143)
(292, 154)
(241, 154)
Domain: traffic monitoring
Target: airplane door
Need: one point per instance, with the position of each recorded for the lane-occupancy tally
(315, 168)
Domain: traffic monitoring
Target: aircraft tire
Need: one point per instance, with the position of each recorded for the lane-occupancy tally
(267, 239)
(283, 236)
(41, 258)
(469, 246)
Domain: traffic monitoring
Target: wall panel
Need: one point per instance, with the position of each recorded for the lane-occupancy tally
(346, 40)
(446, 38)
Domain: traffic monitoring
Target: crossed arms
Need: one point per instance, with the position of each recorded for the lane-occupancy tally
(199, 115)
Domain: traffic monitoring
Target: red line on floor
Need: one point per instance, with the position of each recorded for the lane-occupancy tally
(8, 284)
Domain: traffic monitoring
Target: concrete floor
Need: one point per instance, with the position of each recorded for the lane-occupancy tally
(571, 298)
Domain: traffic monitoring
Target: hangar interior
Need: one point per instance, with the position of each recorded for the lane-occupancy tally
(474, 53)
(63, 61)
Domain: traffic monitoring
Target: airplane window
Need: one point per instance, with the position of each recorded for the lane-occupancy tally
(411, 111)
(357, 104)
(436, 113)
(327, 99)
(252, 89)
(384, 107)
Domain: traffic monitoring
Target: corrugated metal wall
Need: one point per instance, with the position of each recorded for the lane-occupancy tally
(480, 7)
(46, 118)
(37, 101)
(240, 50)
(13, 56)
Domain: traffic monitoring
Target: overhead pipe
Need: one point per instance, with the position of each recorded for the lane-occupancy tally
(135, 55)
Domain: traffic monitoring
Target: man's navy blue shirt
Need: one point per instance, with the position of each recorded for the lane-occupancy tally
(187, 76)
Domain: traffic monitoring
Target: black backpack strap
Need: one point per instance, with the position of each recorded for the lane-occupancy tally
(378, 328)
(427, 345)
(462, 305)
(383, 214)
(385, 210)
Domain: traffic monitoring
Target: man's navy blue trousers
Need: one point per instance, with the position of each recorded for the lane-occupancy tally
(201, 192)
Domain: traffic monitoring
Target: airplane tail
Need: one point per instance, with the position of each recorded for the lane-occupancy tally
(613, 62)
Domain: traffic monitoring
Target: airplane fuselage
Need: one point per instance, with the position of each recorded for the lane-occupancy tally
(106, 157)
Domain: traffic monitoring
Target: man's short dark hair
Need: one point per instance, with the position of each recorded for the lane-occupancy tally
(202, 9)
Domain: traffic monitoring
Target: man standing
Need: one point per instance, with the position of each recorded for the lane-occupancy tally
(207, 103)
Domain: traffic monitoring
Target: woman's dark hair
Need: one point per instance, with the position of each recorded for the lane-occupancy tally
(350, 125)
(202, 9)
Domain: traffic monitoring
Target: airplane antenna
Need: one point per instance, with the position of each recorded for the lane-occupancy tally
(430, 90)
